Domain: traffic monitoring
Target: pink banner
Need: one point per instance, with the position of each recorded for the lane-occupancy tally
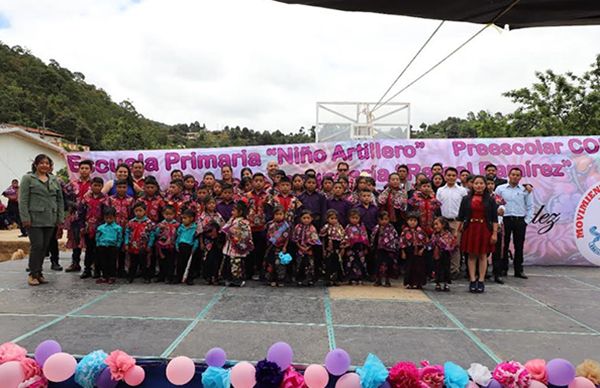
(565, 173)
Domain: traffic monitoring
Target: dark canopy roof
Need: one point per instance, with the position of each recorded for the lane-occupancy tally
(526, 13)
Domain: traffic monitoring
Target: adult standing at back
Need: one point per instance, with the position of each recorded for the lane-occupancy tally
(122, 173)
(451, 195)
(518, 213)
(41, 209)
(137, 173)
(490, 171)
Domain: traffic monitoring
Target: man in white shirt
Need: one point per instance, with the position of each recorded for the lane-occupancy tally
(451, 195)
(518, 213)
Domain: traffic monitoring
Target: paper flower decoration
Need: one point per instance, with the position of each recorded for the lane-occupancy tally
(589, 369)
(89, 368)
(33, 375)
(404, 375)
(214, 377)
(480, 374)
(292, 379)
(455, 376)
(537, 370)
(512, 374)
(373, 373)
(432, 375)
(119, 364)
(11, 352)
(268, 374)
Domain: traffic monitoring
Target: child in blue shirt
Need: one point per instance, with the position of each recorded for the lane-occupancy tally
(186, 244)
(109, 237)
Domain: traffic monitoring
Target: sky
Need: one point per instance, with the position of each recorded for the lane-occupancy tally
(264, 65)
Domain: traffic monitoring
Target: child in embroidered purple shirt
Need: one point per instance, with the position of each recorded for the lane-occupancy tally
(444, 243)
(332, 234)
(384, 243)
(278, 235)
(307, 239)
(356, 248)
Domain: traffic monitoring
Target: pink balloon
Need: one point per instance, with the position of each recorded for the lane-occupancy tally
(180, 370)
(59, 367)
(349, 380)
(11, 374)
(135, 376)
(537, 384)
(581, 382)
(316, 376)
(243, 375)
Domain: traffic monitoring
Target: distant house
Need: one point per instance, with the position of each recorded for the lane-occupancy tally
(51, 137)
(18, 148)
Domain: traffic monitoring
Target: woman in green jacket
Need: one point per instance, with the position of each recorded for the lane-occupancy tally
(41, 209)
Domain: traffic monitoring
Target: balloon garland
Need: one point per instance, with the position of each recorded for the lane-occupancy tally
(101, 370)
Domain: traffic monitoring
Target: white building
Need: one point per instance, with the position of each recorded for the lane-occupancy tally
(18, 148)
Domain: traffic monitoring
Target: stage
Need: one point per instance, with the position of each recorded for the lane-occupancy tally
(552, 314)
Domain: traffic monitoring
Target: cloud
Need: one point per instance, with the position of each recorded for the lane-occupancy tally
(264, 64)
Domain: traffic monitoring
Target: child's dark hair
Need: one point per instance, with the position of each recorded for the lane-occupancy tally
(413, 214)
(280, 173)
(202, 186)
(382, 214)
(176, 171)
(98, 180)
(87, 162)
(470, 178)
(443, 221)
(245, 181)
(178, 183)
(188, 213)
(122, 182)
(258, 175)
(139, 204)
(425, 181)
(338, 183)
(150, 180)
(310, 172)
(310, 177)
(353, 212)
(277, 209)
(242, 208)
(213, 225)
(284, 179)
(168, 208)
(327, 178)
(342, 178)
(490, 178)
(332, 213)
(208, 173)
(109, 211)
(209, 198)
(226, 186)
(306, 212)
(188, 176)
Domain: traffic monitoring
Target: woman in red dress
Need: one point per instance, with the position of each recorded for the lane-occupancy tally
(478, 216)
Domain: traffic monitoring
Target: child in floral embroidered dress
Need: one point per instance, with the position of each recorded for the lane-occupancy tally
(307, 240)
(238, 245)
(332, 234)
(413, 241)
(210, 223)
(384, 243)
(124, 208)
(356, 247)
(443, 243)
(166, 235)
(278, 235)
(139, 238)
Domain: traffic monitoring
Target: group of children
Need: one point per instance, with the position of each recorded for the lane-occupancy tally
(278, 230)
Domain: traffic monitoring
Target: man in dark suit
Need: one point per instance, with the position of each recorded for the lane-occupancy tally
(490, 171)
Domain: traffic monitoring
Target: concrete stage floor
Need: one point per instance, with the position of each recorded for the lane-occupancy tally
(555, 313)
